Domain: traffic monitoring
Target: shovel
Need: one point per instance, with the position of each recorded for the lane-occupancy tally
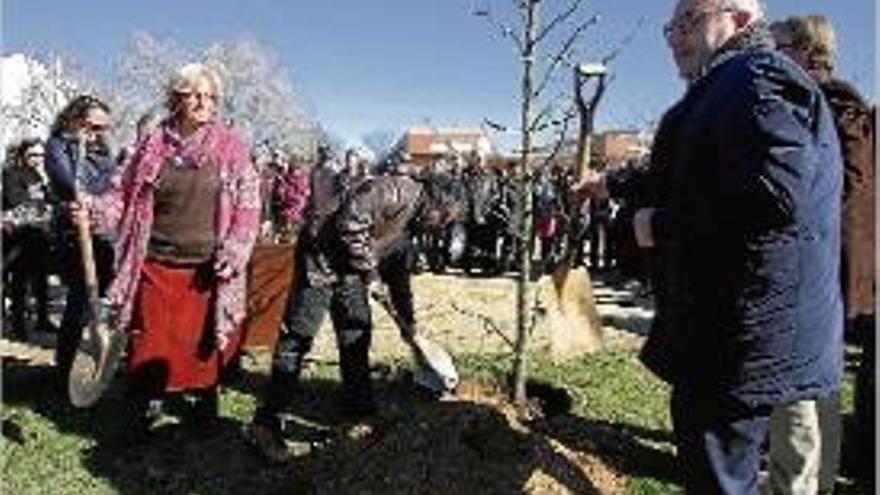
(576, 326)
(435, 369)
(102, 345)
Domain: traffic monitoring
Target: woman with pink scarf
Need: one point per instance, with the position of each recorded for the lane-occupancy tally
(186, 214)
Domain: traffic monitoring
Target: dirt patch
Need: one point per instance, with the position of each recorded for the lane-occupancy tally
(478, 443)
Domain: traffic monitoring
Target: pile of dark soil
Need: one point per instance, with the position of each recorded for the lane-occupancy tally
(478, 443)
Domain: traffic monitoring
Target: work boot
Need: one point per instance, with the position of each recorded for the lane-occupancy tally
(266, 436)
(143, 418)
(203, 413)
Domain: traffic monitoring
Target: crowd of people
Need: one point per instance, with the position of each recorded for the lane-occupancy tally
(752, 221)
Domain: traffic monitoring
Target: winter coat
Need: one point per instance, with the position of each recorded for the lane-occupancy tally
(381, 214)
(127, 210)
(746, 180)
(855, 127)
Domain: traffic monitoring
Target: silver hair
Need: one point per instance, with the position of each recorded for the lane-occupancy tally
(188, 76)
(756, 7)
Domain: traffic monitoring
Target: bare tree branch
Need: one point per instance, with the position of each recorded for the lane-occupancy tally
(624, 42)
(562, 54)
(548, 28)
(488, 324)
(567, 117)
(547, 110)
(506, 32)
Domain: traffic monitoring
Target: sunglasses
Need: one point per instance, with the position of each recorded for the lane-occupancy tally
(93, 127)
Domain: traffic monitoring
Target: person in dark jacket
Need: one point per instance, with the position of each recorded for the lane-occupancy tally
(810, 41)
(26, 242)
(347, 242)
(743, 214)
(84, 122)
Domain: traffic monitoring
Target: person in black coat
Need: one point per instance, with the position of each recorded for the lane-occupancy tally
(26, 240)
(742, 211)
(351, 239)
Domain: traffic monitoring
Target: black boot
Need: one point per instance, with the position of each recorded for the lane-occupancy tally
(204, 412)
(143, 415)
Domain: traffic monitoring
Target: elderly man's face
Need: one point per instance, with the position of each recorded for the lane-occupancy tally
(696, 30)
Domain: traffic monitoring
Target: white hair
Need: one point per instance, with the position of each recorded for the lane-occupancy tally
(754, 7)
(187, 77)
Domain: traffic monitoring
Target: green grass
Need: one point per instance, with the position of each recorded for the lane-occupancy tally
(621, 410)
(619, 414)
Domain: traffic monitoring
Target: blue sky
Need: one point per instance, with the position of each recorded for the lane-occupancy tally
(369, 64)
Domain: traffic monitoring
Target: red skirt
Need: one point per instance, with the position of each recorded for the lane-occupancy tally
(172, 316)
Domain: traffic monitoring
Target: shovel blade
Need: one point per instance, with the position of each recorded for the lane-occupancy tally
(576, 328)
(435, 368)
(94, 364)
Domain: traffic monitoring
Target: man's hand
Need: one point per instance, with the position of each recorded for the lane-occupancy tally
(642, 226)
(80, 209)
(592, 185)
(223, 270)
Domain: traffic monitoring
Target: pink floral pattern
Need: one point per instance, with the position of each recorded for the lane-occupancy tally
(127, 211)
(292, 189)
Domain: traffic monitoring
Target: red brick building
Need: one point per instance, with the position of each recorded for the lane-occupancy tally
(425, 144)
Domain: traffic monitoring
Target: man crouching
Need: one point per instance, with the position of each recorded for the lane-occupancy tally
(367, 236)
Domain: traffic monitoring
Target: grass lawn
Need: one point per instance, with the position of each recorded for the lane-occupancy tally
(619, 415)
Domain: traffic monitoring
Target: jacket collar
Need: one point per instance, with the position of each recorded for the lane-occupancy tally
(755, 37)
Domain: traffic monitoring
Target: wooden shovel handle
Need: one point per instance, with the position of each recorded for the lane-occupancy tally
(87, 256)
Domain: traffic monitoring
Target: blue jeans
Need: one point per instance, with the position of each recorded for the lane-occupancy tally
(719, 442)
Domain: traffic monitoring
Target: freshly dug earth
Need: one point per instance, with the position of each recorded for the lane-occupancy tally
(478, 443)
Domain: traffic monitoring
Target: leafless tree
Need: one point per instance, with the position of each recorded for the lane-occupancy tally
(380, 141)
(548, 51)
(258, 95)
(47, 88)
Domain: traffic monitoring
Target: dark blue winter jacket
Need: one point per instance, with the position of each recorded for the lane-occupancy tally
(746, 177)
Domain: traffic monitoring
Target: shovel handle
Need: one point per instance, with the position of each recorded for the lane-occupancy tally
(84, 238)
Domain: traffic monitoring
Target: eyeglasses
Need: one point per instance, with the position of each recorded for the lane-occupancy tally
(186, 95)
(684, 23)
(34, 155)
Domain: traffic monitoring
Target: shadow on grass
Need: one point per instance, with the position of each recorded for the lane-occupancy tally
(175, 460)
(415, 446)
(630, 450)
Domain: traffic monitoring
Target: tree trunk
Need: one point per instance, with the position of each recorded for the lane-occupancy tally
(524, 219)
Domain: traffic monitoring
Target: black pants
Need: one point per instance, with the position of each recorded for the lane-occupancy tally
(28, 273)
(865, 449)
(315, 294)
(718, 439)
(77, 312)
